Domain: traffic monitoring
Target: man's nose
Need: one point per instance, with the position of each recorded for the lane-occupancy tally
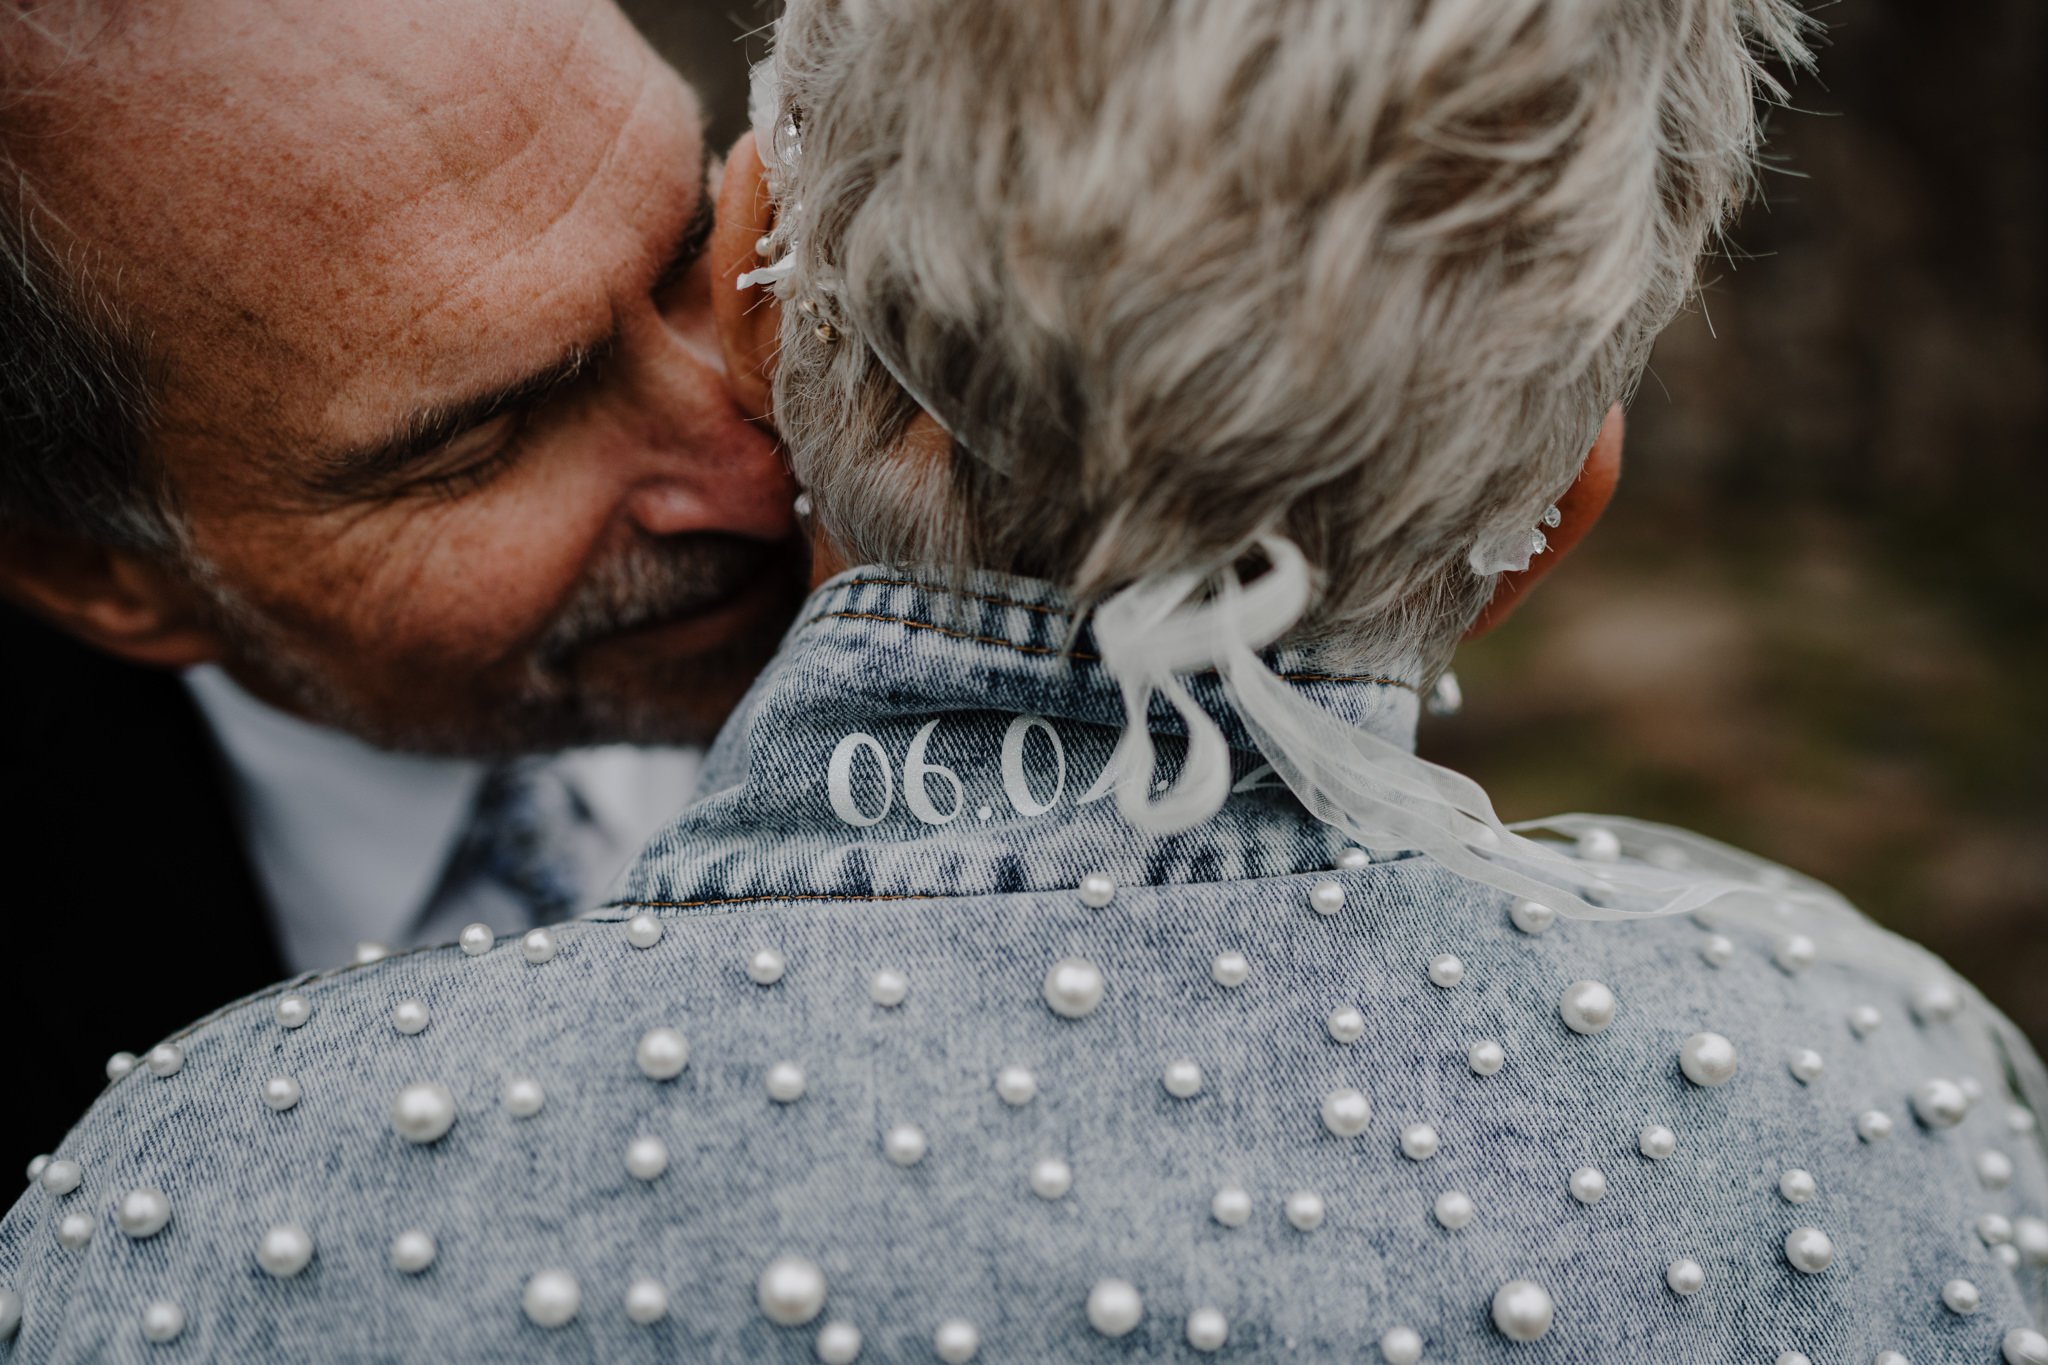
(699, 465)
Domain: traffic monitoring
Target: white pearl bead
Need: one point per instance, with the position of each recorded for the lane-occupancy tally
(1183, 1079)
(956, 1341)
(1599, 845)
(10, 1313)
(537, 946)
(1445, 970)
(1994, 1170)
(1794, 952)
(1073, 988)
(786, 1082)
(1402, 1346)
(1231, 1207)
(1016, 1086)
(1656, 1142)
(293, 1010)
(1717, 949)
(1115, 1307)
(2020, 1119)
(165, 1059)
(477, 939)
(1891, 1358)
(367, 952)
(1346, 1112)
(1939, 1103)
(36, 1166)
(888, 988)
(646, 1158)
(1051, 1178)
(1419, 1142)
(423, 1112)
(1531, 917)
(2007, 1256)
(1097, 890)
(1865, 1020)
(142, 1213)
(662, 1053)
(1994, 1229)
(2025, 1346)
(62, 1176)
(906, 1144)
(2030, 1235)
(838, 1343)
(644, 931)
(765, 966)
(1962, 1297)
(1685, 1276)
(1936, 1002)
(1454, 1209)
(1588, 1185)
(284, 1250)
(551, 1298)
(1229, 970)
(120, 1064)
(412, 1251)
(410, 1016)
(1809, 1250)
(1707, 1059)
(791, 1291)
(1806, 1065)
(162, 1321)
(1346, 1024)
(1522, 1310)
(74, 1230)
(281, 1093)
(523, 1097)
(1485, 1057)
(1873, 1125)
(1798, 1186)
(1587, 1007)
(1972, 1088)
(1793, 1358)
(1207, 1330)
(1354, 860)
(1304, 1209)
(646, 1299)
(1326, 898)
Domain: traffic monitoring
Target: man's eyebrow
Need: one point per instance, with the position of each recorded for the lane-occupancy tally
(379, 463)
(352, 470)
(695, 237)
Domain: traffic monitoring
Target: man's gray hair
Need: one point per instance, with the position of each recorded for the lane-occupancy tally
(74, 401)
(1175, 273)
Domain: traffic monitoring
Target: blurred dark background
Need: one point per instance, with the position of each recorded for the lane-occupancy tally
(1812, 625)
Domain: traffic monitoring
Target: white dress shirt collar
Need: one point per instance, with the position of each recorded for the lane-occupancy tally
(352, 843)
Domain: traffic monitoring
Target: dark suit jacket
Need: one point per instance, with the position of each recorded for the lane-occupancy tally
(129, 904)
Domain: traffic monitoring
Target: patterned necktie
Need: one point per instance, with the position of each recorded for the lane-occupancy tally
(519, 837)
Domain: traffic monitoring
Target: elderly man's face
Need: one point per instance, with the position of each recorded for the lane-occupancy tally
(443, 405)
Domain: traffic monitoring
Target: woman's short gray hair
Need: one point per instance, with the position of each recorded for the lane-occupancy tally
(1174, 273)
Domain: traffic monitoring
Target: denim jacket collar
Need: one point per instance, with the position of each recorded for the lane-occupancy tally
(916, 738)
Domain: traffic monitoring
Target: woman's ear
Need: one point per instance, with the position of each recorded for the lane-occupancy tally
(1579, 508)
(748, 319)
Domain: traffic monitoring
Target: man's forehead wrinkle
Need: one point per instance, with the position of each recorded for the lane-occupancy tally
(526, 258)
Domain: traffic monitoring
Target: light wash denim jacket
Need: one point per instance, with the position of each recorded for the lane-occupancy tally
(1045, 1118)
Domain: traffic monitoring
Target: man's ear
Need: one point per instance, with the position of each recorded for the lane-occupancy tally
(747, 319)
(1580, 509)
(128, 604)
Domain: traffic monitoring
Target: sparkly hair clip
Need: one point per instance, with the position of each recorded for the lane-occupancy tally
(1515, 550)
